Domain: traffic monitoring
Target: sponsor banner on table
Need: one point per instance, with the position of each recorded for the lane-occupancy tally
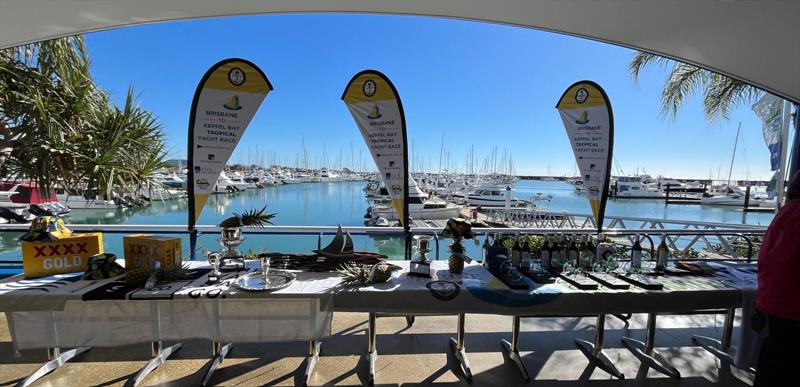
(225, 101)
(375, 105)
(586, 113)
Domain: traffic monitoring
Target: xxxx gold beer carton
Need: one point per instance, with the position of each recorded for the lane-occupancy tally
(141, 250)
(66, 255)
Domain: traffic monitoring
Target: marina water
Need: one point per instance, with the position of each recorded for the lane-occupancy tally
(329, 204)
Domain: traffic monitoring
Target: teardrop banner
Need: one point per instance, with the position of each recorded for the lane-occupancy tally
(589, 121)
(226, 99)
(375, 105)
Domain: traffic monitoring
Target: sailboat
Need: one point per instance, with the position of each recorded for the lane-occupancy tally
(340, 247)
(730, 195)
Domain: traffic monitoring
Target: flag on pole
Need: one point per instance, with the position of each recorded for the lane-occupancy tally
(768, 109)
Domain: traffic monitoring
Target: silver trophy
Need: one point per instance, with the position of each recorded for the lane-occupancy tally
(231, 259)
(420, 266)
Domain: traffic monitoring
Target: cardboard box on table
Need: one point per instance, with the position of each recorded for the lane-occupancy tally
(141, 250)
(65, 255)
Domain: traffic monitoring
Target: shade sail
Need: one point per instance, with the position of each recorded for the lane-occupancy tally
(755, 41)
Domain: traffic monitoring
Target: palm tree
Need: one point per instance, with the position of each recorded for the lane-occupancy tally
(721, 94)
(58, 129)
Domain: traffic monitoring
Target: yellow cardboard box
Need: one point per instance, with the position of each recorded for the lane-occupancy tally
(142, 249)
(66, 255)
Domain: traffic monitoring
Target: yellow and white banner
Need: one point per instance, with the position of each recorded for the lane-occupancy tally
(226, 100)
(587, 116)
(378, 112)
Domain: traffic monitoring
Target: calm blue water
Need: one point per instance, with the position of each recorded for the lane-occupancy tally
(344, 203)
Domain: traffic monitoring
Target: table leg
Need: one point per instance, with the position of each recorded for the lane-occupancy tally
(314, 347)
(56, 359)
(458, 347)
(646, 353)
(160, 356)
(594, 352)
(371, 348)
(219, 351)
(720, 348)
(512, 349)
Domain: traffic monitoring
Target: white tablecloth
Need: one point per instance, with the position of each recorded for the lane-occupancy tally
(64, 311)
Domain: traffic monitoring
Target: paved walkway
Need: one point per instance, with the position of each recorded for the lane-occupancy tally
(414, 356)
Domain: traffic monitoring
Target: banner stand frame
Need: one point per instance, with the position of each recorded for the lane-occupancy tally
(192, 210)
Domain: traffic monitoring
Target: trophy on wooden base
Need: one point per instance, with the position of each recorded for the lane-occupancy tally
(421, 265)
(232, 259)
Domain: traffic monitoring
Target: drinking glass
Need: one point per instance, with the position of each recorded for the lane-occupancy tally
(507, 268)
(265, 267)
(612, 263)
(214, 259)
(570, 268)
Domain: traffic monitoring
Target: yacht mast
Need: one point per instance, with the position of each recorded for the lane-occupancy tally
(730, 171)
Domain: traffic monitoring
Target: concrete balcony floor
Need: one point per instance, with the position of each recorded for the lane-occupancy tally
(419, 355)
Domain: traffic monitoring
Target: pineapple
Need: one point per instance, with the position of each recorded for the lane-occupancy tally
(137, 277)
(354, 273)
(456, 260)
(360, 274)
(175, 273)
(250, 218)
(380, 273)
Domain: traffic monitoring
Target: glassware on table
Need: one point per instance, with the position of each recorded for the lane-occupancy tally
(535, 264)
(570, 268)
(612, 263)
(265, 260)
(508, 270)
(215, 259)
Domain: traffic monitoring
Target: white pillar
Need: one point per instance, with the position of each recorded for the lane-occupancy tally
(787, 108)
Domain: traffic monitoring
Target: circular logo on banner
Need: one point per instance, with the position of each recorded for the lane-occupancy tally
(581, 95)
(236, 76)
(369, 88)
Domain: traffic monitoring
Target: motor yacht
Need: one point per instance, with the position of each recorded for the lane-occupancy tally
(638, 191)
(238, 180)
(327, 176)
(420, 206)
(494, 196)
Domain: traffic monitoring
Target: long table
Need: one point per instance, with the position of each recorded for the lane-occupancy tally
(64, 311)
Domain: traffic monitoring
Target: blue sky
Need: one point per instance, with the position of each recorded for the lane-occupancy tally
(483, 85)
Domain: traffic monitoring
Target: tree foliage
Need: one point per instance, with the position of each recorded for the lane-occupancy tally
(720, 93)
(58, 129)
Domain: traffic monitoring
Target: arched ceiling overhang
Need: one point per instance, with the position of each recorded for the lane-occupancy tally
(754, 41)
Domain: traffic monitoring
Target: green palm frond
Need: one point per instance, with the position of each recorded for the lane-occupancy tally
(641, 60)
(250, 218)
(59, 128)
(720, 93)
(683, 81)
(724, 93)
